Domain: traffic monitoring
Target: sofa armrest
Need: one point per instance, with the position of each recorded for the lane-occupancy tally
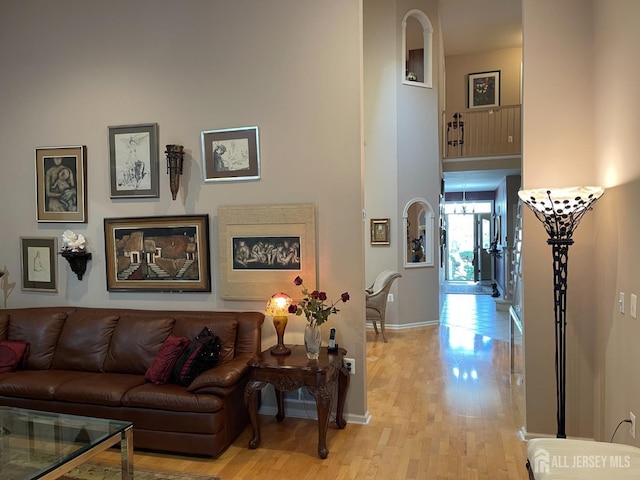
(225, 375)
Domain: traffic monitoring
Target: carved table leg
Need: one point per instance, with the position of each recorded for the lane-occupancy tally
(343, 385)
(323, 396)
(250, 401)
(280, 402)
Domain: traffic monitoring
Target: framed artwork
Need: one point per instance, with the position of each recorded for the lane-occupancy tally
(161, 254)
(232, 154)
(263, 248)
(39, 263)
(380, 231)
(61, 179)
(133, 161)
(484, 89)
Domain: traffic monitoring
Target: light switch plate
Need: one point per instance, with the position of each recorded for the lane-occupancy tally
(633, 303)
(621, 302)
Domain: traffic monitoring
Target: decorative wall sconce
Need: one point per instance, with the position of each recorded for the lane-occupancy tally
(175, 159)
(73, 250)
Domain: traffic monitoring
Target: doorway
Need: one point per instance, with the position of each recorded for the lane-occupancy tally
(469, 234)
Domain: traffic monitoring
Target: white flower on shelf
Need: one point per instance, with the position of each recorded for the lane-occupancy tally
(74, 242)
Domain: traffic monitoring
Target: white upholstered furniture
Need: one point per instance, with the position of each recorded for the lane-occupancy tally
(567, 459)
(376, 297)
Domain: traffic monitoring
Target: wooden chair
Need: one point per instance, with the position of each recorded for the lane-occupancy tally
(376, 297)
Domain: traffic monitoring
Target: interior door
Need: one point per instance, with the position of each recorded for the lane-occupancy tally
(482, 261)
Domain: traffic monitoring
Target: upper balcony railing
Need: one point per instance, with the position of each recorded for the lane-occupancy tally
(482, 132)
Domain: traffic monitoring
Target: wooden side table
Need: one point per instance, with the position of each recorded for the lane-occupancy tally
(291, 372)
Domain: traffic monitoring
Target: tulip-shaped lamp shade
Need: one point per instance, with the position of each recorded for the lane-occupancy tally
(560, 211)
(278, 308)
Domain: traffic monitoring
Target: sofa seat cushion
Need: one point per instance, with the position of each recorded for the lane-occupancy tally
(84, 341)
(98, 388)
(40, 328)
(171, 397)
(136, 342)
(40, 384)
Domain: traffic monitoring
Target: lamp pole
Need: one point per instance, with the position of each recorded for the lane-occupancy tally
(560, 211)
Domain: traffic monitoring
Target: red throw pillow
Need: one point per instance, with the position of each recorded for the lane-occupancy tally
(12, 355)
(160, 369)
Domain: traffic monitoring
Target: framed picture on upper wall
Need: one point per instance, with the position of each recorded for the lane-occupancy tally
(133, 161)
(263, 248)
(60, 184)
(161, 254)
(484, 89)
(232, 154)
(39, 262)
(380, 231)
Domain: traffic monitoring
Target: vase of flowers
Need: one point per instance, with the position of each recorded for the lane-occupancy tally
(316, 309)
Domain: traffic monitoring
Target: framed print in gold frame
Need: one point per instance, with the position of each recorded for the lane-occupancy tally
(380, 231)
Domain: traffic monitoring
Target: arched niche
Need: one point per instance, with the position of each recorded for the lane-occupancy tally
(418, 222)
(417, 41)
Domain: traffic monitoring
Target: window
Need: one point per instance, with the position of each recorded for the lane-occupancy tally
(417, 40)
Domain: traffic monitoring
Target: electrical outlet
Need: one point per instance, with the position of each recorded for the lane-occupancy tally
(510, 139)
(350, 365)
(390, 297)
(632, 428)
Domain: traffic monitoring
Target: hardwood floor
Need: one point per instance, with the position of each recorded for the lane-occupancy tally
(443, 403)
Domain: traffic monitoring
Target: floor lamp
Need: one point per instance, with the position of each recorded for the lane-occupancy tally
(560, 211)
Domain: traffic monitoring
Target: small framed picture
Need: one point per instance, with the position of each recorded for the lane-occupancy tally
(232, 154)
(39, 262)
(60, 184)
(380, 231)
(484, 89)
(133, 161)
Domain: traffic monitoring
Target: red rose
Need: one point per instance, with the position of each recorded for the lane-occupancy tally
(298, 281)
(345, 296)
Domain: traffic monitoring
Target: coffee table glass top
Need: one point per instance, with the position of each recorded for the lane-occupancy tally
(33, 443)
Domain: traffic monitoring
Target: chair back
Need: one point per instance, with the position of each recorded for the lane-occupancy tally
(384, 280)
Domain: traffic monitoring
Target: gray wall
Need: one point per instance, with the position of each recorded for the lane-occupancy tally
(78, 67)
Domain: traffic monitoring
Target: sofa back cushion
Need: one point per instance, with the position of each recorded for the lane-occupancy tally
(40, 328)
(84, 341)
(135, 343)
(4, 325)
(222, 325)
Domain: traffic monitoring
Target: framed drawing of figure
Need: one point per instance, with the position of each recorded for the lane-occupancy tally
(61, 183)
(133, 161)
(39, 263)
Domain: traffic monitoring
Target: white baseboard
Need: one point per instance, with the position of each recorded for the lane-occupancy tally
(406, 326)
(308, 410)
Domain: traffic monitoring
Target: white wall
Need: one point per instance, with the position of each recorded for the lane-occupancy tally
(617, 102)
(558, 150)
(78, 67)
(401, 154)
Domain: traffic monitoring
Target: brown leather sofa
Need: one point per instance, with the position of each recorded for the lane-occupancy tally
(92, 362)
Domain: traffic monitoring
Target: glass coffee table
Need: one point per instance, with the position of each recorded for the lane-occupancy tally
(42, 445)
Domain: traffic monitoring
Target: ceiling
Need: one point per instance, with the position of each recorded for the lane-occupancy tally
(471, 26)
